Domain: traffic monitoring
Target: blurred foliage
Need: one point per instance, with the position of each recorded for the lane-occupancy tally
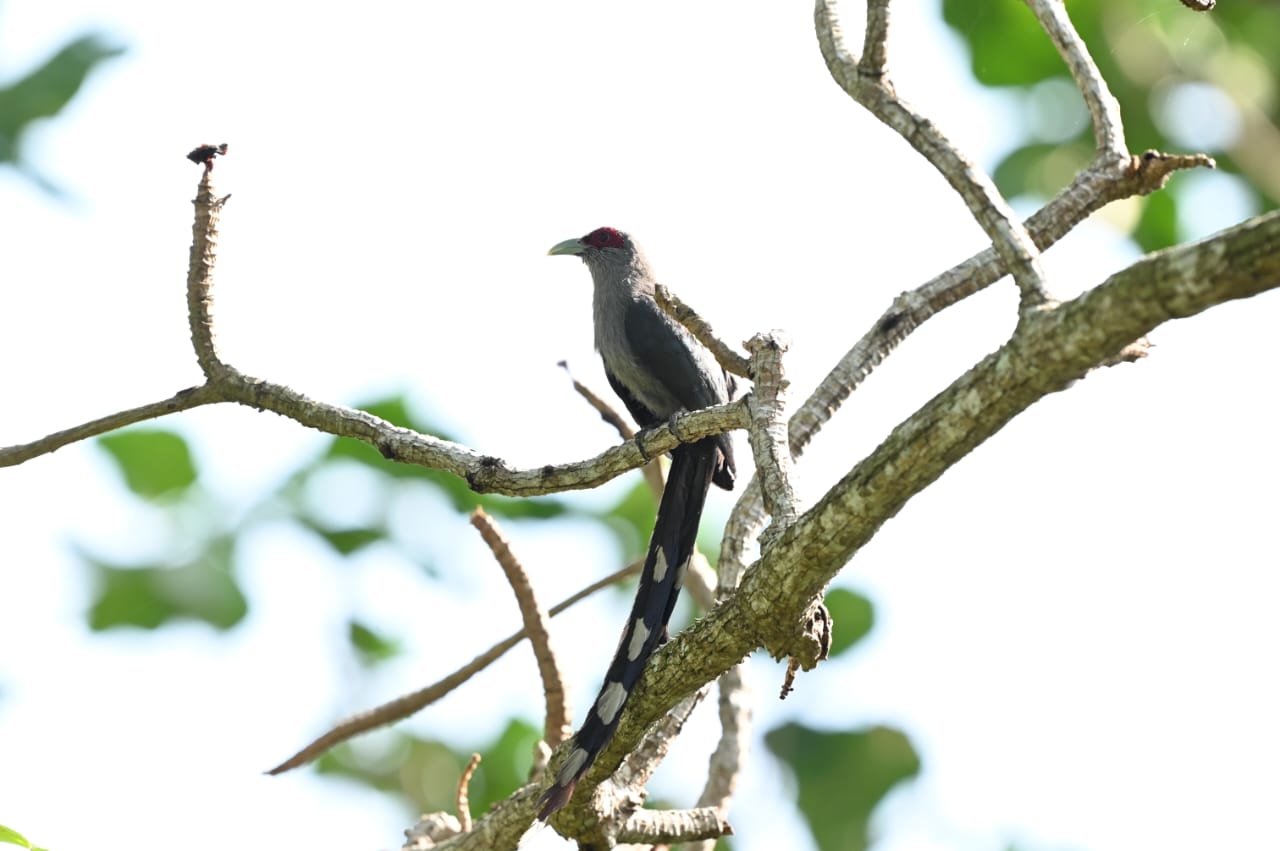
(842, 776)
(1187, 82)
(43, 92)
(426, 772)
(150, 596)
(371, 646)
(155, 463)
(9, 836)
(193, 575)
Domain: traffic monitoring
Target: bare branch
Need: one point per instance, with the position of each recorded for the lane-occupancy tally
(1104, 109)
(874, 47)
(606, 411)
(204, 254)
(877, 95)
(558, 725)
(731, 752)
(183, 400)
(768, 431)
(406, 705)
(702, 331)
(464, 801)
(654, 827)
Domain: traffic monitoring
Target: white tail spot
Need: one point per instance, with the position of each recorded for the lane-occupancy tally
(610, 702)
(660, 566)
(639, 633)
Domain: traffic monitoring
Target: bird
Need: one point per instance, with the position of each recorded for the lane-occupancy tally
(658, 369)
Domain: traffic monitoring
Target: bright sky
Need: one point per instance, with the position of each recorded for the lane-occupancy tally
(1075, 623)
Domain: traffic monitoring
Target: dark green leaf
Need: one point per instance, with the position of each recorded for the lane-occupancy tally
(504, 765)
(46, 90)
(347, 541)
(1158, 226)
(155, 463)
(1041, 170)
(852, 616)
(149, 596)
(372, 647)
(1006, 44)
(842, 776)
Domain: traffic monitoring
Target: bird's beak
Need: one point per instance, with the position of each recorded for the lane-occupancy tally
(569, 246)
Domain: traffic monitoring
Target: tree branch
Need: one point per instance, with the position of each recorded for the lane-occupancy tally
(536, 622)
(1104, 109)
(183, 400)
(876, 94)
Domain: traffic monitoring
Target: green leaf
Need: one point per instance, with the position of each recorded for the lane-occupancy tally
(842, 776)
(1158, 225)
(12, 837)
(631, 519)
(371, 646)
(423, 771)
(1006, 45)
(852, 617)
(504, 765)
(150, 596)
(426, 772)
(45, 91)
(155, 463)
(347, 541)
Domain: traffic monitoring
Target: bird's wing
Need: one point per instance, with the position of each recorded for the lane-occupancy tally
(667, 353)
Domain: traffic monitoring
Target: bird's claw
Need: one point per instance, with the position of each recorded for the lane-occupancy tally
(639, 441)
(671, 424)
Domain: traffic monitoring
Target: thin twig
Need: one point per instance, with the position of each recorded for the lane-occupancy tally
(406, 705)
(1104, 109)
(874, 41)
(653, 473)
(183, 400)
(702, 331)
(730, 755)
(606, 411)
(768, 431)
(535, 625)
(464, 801)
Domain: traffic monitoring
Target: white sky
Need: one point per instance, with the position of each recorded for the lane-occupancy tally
(1075, 624)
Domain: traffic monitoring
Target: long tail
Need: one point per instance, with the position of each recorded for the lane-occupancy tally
(674, 536)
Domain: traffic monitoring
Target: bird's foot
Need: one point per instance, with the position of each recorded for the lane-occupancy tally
(671, 424)
(639, 442)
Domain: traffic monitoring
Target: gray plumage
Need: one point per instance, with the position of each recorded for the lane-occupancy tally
(658, 369)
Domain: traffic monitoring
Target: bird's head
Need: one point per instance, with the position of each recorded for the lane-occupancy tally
(601, 243)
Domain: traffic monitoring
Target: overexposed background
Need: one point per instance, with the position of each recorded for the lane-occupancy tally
(1075, 625)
